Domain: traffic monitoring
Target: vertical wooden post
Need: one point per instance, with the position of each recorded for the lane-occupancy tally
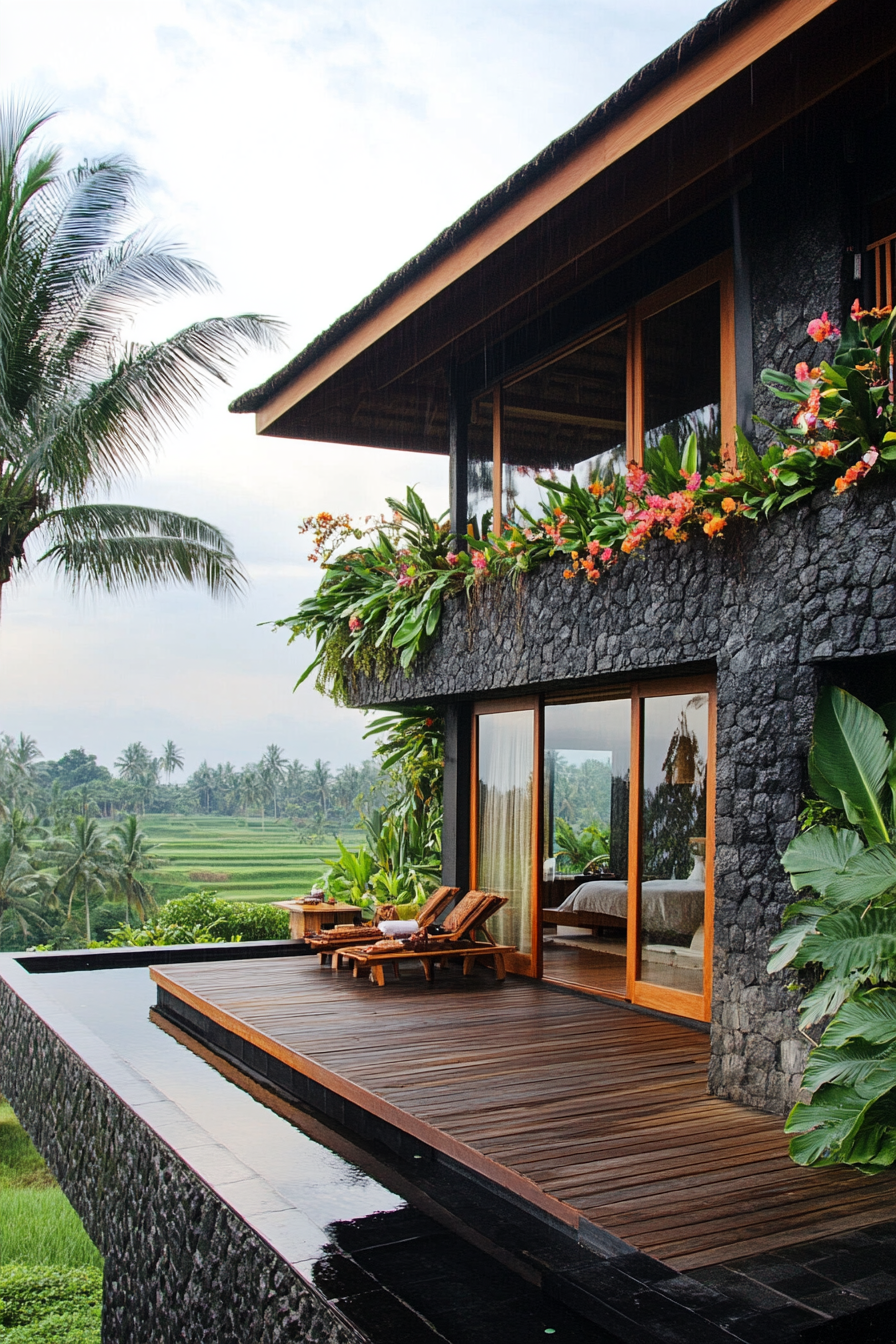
(497, 461)
(456, 824)
(458, 422)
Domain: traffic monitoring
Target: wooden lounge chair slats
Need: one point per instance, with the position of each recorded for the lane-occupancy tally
(459, 940)
(324, 942)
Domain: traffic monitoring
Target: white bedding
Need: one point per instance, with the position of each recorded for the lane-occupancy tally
(665, 903)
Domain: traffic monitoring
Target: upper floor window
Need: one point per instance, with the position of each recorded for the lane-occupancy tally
(665, 367)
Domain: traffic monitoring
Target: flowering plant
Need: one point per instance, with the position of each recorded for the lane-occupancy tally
(380, 603)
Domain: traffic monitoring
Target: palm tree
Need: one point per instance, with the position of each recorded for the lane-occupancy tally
(272, 772)
(26, 892)
(321, 780)
(81, 406)
(134, 761)
(170, 760)
(135, 856)
(17, 760)
(87, 865)
(204, 780)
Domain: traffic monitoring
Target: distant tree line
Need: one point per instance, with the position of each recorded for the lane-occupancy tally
(314, 797)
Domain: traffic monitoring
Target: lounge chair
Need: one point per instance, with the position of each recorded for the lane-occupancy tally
(460, 939)
(326, 942)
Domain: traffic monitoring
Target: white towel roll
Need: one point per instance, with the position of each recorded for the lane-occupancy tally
(399, 928)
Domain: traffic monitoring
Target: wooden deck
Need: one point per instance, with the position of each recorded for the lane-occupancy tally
(585, 1109)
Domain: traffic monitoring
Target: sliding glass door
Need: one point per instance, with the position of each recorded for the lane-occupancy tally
(670, 898)
(593, 815)
(505, 833)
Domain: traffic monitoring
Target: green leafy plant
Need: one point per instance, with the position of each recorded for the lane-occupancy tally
(576, 852)
(844, 934)
(44, 1304)
(202, 918)
(379, 605)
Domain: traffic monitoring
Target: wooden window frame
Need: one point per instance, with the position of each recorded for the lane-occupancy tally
(719, 270)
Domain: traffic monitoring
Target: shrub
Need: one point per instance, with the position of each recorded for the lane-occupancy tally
(40, 1304)
(203, 918)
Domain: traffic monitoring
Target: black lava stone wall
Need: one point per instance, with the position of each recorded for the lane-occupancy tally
(180, 1265)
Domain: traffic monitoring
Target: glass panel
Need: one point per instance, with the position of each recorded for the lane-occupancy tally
(480, 472)
(682, 355)
(673, 818)
(567, 418)
(586, 785)
(504, 846)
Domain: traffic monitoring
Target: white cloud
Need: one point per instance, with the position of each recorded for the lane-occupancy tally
(303, 149)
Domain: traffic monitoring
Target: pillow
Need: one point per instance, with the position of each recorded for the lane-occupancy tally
(462, 910)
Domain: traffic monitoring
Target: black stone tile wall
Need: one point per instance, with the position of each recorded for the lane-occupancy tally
(180, 1265)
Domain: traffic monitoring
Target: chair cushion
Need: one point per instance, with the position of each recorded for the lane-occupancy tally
(462, 911)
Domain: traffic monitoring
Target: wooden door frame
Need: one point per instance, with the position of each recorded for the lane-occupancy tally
(638, 991)
(518, 963)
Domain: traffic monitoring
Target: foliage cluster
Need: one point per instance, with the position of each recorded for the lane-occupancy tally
(844, 934)
(379, 603)
(44, 1304)
(400, 861)
(202, 918)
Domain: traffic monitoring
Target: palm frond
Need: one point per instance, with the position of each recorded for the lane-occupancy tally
(122, 548)
(152, 389)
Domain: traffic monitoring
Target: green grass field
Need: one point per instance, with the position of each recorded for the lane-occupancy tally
(247, 863)
(51, 1274)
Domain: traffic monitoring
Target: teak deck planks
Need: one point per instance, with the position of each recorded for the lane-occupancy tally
(582, 1107)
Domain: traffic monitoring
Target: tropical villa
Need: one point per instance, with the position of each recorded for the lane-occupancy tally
(603, 1128)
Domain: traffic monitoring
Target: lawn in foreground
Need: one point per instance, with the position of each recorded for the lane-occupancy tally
(51, 1274)
(236, 858)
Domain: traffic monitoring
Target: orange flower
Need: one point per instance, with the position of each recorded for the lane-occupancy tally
(713, 526)
(729, 504)
(596, 489)
(568, 574)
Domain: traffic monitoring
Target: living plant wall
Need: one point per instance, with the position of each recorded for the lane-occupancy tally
(385, 580)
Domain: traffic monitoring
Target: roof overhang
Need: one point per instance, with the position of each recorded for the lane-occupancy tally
(675, 140)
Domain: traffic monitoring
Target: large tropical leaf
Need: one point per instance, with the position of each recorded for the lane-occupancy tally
(867, 876)
(868, 1016)
(815, 857)
(851, 754)
(854, 1064)
(802, 920)
(850, 943)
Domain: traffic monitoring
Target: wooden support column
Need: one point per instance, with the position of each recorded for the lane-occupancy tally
(456, 825)
(458, 422)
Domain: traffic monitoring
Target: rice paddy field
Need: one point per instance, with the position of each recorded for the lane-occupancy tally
(236, 857)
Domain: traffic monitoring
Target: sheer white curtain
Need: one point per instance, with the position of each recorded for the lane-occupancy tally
(504, 848)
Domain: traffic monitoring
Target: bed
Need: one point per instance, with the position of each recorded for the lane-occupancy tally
(667, 905)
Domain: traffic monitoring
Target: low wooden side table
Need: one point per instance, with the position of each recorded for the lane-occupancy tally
(310, 919)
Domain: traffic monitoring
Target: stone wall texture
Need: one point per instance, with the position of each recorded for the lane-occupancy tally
(764, 604)
(180, 1265)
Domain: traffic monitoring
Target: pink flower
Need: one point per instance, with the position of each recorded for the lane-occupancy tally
(655, 501)
(593, 547)
(822, 328)
(480, 560)
(452, 557)
(871, 456)
(801, 372)
(606, 555)
(636, 479)
(789, 452)
(405, 581)
(693, 482)
(354, 623)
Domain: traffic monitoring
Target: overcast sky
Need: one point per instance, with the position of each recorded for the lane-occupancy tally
(303, 149)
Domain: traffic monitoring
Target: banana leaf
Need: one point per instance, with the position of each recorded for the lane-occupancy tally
(855, 1064)
(852, 755)
(815, 857)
